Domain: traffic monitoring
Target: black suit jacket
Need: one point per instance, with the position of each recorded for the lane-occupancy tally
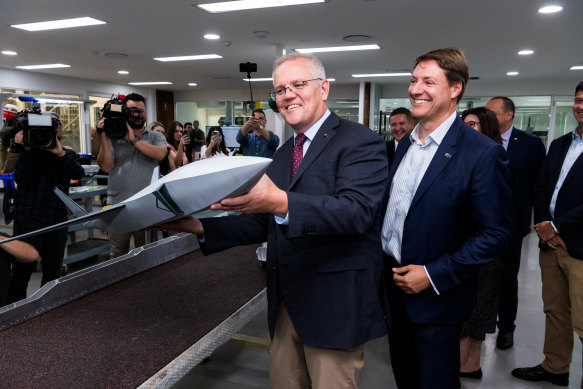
(391, 151)
(569, 206)
(526, 153)
(327, 262)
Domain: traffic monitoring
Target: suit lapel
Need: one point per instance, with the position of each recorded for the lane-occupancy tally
(444, 154)
(564, 149)
(317, 145)
(575, 168)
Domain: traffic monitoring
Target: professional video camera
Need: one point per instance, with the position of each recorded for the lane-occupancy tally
(38, 129)
(9, 113)
(115, 121)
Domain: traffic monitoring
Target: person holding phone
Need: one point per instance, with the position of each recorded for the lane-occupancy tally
(215, 144)
(255, 139)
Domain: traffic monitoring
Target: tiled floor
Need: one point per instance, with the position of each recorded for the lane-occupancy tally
(234, 366)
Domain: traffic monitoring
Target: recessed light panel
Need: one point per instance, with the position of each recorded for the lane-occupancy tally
(57, 24)
(151, 83)
(402, 74)
(258, 79)
(47, 66)
(212, 36)
(338, 48)
(578, 67)
(188, 58)
(9, 52)
(525, 52)
(228, 6)
(123, 72)
(512, 74)
(550, 9)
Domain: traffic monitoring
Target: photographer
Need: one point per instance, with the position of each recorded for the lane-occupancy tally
(37, 172)
(255, 139)
(130, 161)
(9, 151)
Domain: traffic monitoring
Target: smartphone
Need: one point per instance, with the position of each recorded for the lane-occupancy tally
(216, 135)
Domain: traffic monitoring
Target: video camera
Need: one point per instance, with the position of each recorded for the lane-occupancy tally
(115, 120)
(38, 129)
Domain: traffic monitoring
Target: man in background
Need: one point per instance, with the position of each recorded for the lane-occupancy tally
(526, 153)
(558, 217)
(255, 138)
(130, 163)
(401, 124)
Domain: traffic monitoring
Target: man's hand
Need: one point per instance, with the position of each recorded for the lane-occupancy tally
(264, 197)
(411, 278)
(556, 242)
(188, 224)
(130, 135)
(545, 231)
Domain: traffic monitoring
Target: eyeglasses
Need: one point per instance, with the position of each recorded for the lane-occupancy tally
(296, 86)
(472, 124)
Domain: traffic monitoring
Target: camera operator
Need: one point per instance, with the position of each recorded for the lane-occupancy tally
(37, 172)
(9, 151)
(130, 162)
(255, 139)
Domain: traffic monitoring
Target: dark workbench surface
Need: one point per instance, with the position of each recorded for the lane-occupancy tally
(121, 335)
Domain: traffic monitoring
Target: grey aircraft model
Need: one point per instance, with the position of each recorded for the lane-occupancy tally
(185, 191)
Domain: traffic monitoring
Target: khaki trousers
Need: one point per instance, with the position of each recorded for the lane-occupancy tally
(562, 279)
(293, 365)
(120, 242)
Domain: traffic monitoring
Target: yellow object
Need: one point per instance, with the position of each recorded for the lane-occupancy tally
(259, 104)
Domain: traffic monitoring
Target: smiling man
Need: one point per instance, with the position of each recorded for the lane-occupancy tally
(401, 123)
(318, 207)
(447, 214)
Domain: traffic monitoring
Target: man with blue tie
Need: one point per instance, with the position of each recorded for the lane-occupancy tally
(558, 217)
(446, 215)
(526, 153)
(318, 207)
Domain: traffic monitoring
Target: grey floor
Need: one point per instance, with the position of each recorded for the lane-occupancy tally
(233, 366)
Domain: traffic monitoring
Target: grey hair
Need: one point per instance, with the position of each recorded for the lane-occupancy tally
(315, 63)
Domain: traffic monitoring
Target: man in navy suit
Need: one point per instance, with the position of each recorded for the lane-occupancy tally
(401, 124)
(447, 214)
(526, 153)
(558, 217)
(321, 222)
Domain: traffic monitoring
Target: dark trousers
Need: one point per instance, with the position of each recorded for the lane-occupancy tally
(51, 249)
(508, 301)
(422, 356)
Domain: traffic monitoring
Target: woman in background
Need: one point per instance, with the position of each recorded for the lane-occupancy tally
(215, 144)
(177, 143)
(483, 318)
(165, 163)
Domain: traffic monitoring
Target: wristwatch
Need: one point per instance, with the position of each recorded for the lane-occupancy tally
(135, 140)
(260, 127)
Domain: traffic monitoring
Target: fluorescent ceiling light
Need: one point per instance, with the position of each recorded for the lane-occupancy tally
(525, 52)
(338, 48)
(578, 67)
(192, 84)
(402, 74)
(47, 66)
(56, 24)
(9, 52)
(330, 79)
(212, 36)
(227, 6)
(48, 100)
(123, 72)
(258, 79)
(188, 58)
(550, 9)
(151, 83)
(512, 74)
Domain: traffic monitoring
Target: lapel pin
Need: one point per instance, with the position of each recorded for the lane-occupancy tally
(448, 155)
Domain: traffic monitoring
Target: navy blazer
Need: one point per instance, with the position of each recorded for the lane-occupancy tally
(526, 153)
(328, 260)
(459, 219)
(569, 206)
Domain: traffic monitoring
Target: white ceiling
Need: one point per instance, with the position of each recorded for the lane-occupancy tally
(490, 32)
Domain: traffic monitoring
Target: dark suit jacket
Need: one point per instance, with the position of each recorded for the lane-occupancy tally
(459, 219)
(526, 153)
(569, 206)
(391, 151)
(328, 260)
